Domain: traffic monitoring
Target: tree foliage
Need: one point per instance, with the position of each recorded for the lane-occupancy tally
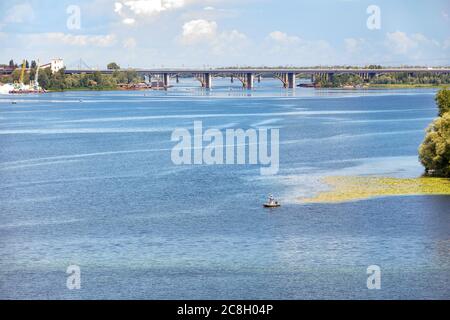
(94, 81)
(404, 78)
(434, 152)
(443, 101)
(113, 66)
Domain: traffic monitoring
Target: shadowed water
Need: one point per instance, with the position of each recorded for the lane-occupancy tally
(86, 178)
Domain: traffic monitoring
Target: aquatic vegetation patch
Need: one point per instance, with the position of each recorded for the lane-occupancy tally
(353, 188)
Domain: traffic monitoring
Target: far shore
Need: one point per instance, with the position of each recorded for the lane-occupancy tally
(369, 87)
(349, 87)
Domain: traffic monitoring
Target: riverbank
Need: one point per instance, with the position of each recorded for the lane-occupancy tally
(367, 87)
(84, 89)
(384, 86)
(104, 89)
(408, 86)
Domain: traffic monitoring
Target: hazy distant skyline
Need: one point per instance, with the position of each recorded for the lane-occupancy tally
(176, 33)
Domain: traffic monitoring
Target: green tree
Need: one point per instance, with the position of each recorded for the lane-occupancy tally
(98, 78)
(443, 101)
(120, 76)
(132, 76)
(113, 66)
(434, 153)
(44, 80)
(16, 74)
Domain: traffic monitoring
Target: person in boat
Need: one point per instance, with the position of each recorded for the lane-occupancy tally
(271, 202)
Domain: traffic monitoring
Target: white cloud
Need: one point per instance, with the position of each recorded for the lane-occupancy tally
(214, 42)
(283, 38)
(229, 43)
(118, 7)
(149, 7)
(199, 30)
(145, 9)
(71, 39)
(129, 21)
(400, 43)
(130, 10)
(19, 13)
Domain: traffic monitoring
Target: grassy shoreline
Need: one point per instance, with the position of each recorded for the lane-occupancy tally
(357, 188)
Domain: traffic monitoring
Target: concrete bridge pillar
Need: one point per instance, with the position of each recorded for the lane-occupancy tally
(330, 76)
(202, 80)
(178, 80)
(208, 80)
(259, 78)
(249, 80)
(291, 80)
(166, 78)
(232, 79)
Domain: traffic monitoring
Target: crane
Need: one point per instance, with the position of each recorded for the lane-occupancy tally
(36, 76)
(22, 73)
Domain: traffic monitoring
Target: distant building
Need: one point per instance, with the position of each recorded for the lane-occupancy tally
(6, 69)
(55, 65)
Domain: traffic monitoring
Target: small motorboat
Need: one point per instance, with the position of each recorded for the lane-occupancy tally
(271, 203)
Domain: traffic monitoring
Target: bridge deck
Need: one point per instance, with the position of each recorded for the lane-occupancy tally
(271, 71)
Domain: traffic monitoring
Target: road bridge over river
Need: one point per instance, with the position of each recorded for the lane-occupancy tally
(247, 76)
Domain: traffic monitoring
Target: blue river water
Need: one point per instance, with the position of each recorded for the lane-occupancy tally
(86, 179)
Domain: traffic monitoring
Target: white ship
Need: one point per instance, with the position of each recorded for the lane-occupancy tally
(6, 88)
(20, 87)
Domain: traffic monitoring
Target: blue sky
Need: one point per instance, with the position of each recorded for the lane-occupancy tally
(150, 33)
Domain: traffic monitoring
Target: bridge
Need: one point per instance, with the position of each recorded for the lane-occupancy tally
(247, 76)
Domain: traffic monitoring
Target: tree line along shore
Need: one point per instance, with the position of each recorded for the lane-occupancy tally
(119, 78)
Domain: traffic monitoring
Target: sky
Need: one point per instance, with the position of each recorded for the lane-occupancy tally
(220, 33)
